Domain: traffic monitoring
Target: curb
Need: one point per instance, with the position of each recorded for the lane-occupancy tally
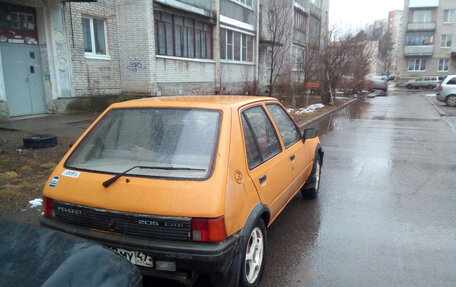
(439, 110)
(328, 113)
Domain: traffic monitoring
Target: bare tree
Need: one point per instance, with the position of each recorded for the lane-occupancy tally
(362, 57)
(345, 54)
(333, 59)
(385, 49)
(278, 29)
(309, 67)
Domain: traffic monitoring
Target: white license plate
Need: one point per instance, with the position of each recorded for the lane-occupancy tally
(135, 257)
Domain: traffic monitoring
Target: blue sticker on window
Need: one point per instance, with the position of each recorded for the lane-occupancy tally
(54, 181)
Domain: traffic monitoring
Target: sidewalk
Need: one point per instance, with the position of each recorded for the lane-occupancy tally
(61, 125)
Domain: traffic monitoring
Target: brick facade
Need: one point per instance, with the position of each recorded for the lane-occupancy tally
(93, 76)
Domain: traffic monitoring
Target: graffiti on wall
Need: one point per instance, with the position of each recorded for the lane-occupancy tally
(135, 65)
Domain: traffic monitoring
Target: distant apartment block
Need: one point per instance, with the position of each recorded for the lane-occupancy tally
(428, 38)
(395, 25)
(308, 28)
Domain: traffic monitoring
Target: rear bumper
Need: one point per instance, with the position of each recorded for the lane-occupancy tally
(189, 256)
(440, 97)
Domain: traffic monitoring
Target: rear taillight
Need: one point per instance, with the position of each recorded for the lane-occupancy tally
(440, 88)
(208, 229)
(48, 204)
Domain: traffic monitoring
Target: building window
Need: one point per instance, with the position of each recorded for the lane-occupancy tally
(244, 2)
(417, 65)
(446, 41)
(299, 28)
(421, 16)
(419, 38)
(314, 30)
(182, 37)
(448, 15)
(298, 57)
(94, 34)
(236, 46)
(444, 65)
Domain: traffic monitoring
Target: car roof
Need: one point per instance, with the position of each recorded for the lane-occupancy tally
(210, 101)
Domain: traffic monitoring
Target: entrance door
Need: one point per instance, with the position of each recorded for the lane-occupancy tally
(23, 79)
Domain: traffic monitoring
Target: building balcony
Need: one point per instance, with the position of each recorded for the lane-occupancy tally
(425, 26)
(423, 3)
(419, 50)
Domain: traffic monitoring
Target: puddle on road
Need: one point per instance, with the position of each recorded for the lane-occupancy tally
(341, 119)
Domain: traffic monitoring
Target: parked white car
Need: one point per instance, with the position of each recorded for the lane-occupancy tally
(446, 91)
(429, 82)
(379, 83)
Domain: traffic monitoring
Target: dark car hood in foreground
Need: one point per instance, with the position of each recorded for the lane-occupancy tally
(33, 256)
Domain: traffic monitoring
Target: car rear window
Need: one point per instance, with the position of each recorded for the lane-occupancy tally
(180, 143)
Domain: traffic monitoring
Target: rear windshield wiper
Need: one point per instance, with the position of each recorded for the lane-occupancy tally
(116, 177)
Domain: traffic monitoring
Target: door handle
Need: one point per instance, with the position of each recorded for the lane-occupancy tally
(292, 157)
(263, 178)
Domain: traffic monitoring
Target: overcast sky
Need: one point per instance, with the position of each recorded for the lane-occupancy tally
(357, 13)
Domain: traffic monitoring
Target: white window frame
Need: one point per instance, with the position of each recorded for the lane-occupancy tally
(233, 44)
(243, 3)
(443, 63)
(443, 44)
(414, 64)
(93, 54)
(427, 16)
(450, 14)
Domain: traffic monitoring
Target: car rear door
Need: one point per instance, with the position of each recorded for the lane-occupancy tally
(269, 167)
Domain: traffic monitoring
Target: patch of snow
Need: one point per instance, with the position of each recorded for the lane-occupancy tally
(310, 109)
(36, 202)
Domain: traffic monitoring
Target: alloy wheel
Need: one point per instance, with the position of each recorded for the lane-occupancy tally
(254, 255)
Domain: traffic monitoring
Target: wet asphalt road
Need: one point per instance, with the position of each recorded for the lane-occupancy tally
(386, 213)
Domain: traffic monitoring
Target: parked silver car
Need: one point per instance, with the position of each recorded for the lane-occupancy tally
(379, 83)
(446, 91)
(429, 82)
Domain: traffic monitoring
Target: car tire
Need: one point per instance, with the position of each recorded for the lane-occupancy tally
(314, 177)
(409, 86)
(451, 100)
(39, 141)
(253, 255)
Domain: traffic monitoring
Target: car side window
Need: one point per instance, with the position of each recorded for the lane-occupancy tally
(288, 130)
(260, 136)
(253, 154)
(426, 79)
(451, 82)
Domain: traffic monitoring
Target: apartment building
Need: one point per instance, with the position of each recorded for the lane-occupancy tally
(54, 51)
(429, 37)
(307, 27)
(395, 24)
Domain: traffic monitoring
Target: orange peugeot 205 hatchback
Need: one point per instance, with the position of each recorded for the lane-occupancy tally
(181, 186)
